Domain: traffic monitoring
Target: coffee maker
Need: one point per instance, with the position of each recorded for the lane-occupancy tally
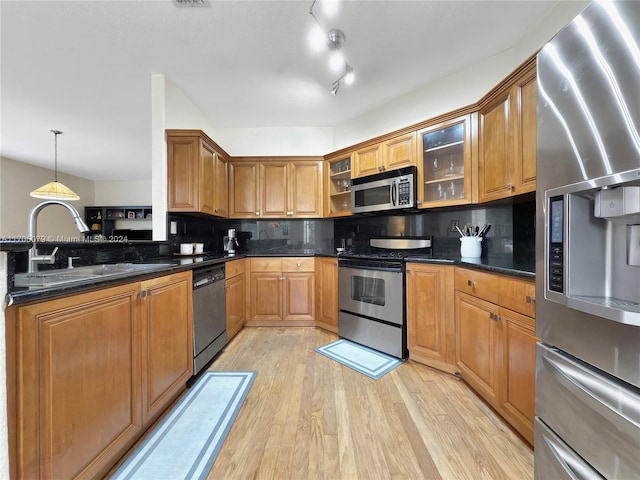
(230, 242)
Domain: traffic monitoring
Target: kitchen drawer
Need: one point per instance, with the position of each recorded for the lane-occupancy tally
(518, 295)
(234, 268)
(298, 264)
(266, 264)
(478, 284)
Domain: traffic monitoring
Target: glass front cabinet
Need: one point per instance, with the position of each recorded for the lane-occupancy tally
(445, 176)
(339, 185)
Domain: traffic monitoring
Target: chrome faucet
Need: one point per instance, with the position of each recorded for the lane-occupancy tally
(34, 258)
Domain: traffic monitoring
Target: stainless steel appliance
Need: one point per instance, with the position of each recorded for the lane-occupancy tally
(588, 248)
(391, 190)
(371, 293)
(209, 315)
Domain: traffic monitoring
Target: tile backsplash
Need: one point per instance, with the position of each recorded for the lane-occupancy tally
(512, 231)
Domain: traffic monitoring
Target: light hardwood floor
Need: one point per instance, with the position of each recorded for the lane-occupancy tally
(309, 417)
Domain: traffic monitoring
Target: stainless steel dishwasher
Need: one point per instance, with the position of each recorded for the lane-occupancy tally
(209, 315)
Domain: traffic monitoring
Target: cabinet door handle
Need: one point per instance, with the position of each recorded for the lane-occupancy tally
(408, 271)
(530, 299)
(510, 186)
(257, 214)
(471, 283)
(494, 316)
(144, 293)
(282, 277)
(215, 210)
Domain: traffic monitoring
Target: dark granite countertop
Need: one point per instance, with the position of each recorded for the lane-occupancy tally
(177, 263)
(500, 264)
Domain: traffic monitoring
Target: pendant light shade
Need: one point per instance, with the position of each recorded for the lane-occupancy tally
(55, 190)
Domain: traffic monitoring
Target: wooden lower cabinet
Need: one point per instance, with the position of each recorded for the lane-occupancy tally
(167, 341)
(518, 389)
(299, 296)
(282, 291)
(479, 349)
(235, 286)
(77, 384)
(327, 293)
(430, 319)
(496, 343)
(89, 370)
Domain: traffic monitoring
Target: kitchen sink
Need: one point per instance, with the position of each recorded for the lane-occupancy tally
(50, 278)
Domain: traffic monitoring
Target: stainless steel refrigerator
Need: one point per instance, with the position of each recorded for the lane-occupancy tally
(588, 248)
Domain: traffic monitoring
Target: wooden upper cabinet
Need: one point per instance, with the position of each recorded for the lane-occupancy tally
(305, 189)
(220, 192)
(275, 189)
(507, 140)
(183, 173)
(206, 179)
(274, 192)
(399, 152)
(494, 155)
(525, 155)
(390, 155)
(445, 155)
(367, 160)
(195, 180)
(244, 184)
(337, 185)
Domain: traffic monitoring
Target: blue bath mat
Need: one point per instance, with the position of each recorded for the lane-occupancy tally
(187, 441)
(365, 360)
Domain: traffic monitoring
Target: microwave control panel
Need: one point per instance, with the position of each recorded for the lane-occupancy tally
(404, 191)
(556, 244)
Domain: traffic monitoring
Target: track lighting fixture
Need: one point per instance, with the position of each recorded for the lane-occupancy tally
(333, 39)
(347, 78)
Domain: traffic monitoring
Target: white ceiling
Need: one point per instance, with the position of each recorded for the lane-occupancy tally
(84, 67)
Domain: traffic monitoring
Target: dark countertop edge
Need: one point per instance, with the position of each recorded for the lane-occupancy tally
(21, 297)
(25, 245)
(480, 264)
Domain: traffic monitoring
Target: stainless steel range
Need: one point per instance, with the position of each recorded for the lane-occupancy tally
(371, 296)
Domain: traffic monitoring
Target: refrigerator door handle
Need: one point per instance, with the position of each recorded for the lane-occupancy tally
(601, 395)
(573, 465)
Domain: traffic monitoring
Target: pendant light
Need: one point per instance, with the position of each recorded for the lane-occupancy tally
(55, 190)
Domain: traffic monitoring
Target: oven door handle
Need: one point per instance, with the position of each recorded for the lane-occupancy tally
(367, 267)
(394, 193)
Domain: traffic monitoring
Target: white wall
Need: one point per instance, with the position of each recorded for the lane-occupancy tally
(130, 193)
(17, 180)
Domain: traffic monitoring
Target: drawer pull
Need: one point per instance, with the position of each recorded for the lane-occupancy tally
(530, 299)
(471, 283)
(298, 265)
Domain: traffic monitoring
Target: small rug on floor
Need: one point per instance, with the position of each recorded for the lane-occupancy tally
(187, 441)
(365, 360)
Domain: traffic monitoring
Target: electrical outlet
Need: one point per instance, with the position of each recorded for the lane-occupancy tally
(454, 224)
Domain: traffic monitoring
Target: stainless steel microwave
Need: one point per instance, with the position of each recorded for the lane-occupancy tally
(391, 190)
